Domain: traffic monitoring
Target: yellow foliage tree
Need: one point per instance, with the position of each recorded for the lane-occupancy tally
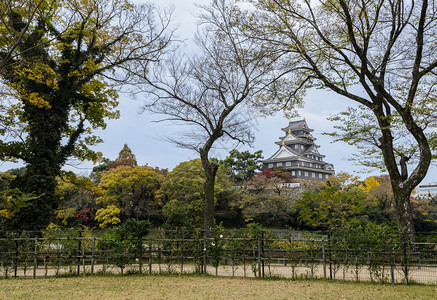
(133, 189)
(108, 216)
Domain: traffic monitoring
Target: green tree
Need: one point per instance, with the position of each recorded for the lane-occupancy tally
(12, 201)
(134, 190)
(60, 73)
(336, 202)
(183, 189)
(358, 49)
(125, 158)
(243, 165)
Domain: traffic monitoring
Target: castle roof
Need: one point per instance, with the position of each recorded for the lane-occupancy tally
(297, 125)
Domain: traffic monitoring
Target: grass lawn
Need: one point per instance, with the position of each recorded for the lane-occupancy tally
(195, 287)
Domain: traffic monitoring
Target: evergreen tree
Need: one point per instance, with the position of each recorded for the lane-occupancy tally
(126, 157)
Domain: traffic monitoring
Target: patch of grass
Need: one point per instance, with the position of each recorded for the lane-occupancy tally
(202, 287)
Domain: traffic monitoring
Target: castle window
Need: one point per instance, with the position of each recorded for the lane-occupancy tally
(295, 146)
(293, 173)
(288, 163)
(314, 174)
(300, 173)
(320, 176)
(306, 174)
(270, 166)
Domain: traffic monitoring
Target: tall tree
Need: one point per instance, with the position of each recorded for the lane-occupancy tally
(380, 54)
(125, 158)
(184, 193)
(243, 165)
(60, 72)
(209, 90)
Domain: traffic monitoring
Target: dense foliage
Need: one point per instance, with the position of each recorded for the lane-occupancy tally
(56, 66)
(183, 189)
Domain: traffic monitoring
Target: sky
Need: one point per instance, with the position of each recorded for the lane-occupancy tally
(145, 137)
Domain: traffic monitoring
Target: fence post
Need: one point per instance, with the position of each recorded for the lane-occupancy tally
(324, 260)
(405, 262)
(244, 262)
(35, 258)
(78, 252)
(150, 257)
(159, 257)
(330, 254)
(392, 274)
(181, 253)
(259, 255)
(141, 250)
(369, 260)
(15, 259)
(93, 247)
(204, 253)
(262, 252)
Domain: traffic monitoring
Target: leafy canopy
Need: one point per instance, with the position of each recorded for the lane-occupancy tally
(334, 203)
(183, 189)
(243, 165)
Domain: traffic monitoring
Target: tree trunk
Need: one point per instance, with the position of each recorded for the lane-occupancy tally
(404, 213)
(210, 170)
(39, 212)
(403, 183)
(44, 162)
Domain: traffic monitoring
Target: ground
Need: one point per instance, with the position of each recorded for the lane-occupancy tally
(198, 287)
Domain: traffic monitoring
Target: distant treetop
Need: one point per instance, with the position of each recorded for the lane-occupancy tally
(126, 157)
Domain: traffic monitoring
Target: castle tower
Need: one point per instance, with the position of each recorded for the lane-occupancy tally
(299, 155)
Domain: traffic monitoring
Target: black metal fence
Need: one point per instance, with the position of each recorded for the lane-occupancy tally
(223, 253)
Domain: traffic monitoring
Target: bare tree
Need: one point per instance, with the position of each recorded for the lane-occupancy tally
(210, 90)
(379, 53)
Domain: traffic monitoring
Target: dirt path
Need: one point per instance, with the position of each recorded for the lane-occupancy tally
(422, 274)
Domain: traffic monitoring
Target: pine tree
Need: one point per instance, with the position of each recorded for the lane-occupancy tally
(126, 157)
